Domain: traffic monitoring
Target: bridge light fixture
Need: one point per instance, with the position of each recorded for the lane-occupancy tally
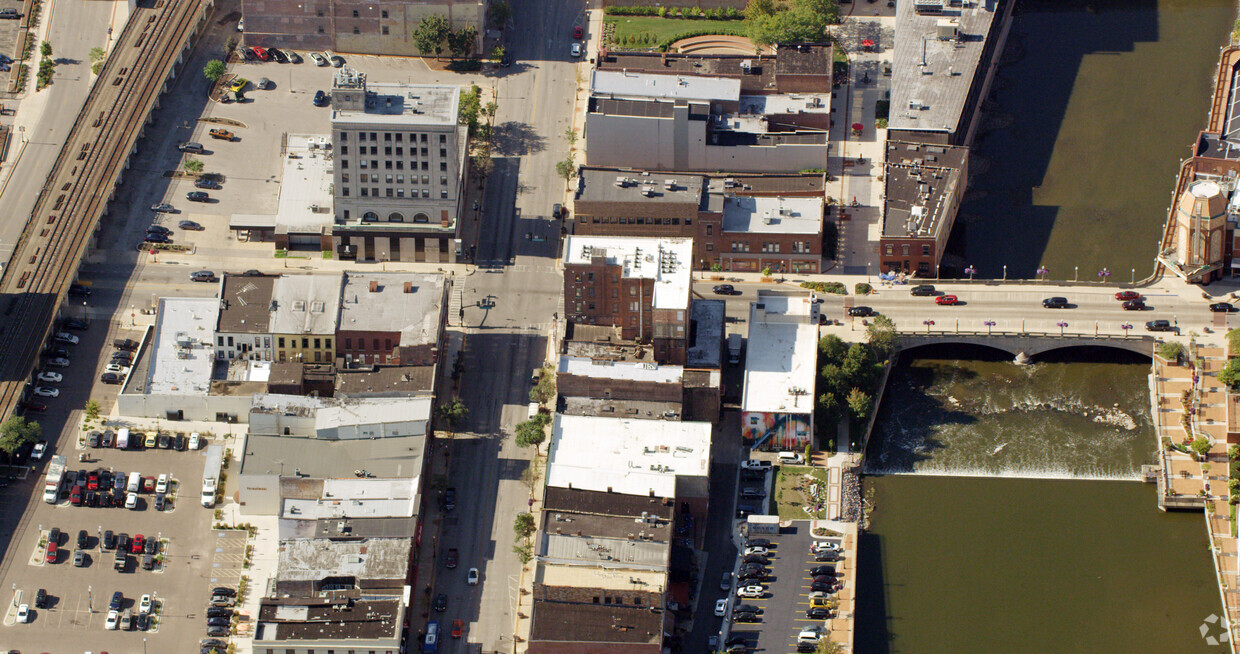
(928, 324)
(1061, 325)
(1042, 272)
(989, 324)
(970, 271)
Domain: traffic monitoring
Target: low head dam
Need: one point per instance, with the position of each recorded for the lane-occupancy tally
(1024, 346)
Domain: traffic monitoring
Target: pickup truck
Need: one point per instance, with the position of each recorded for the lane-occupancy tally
(221, 134)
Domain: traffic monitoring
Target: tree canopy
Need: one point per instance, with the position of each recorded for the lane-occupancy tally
(430, 34)
(790, 21)
(214, 70)
(16, 432)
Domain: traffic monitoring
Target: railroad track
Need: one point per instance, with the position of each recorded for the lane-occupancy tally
(77, 191)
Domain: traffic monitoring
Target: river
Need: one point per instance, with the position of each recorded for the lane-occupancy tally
(1004, 528)
(1093, 107)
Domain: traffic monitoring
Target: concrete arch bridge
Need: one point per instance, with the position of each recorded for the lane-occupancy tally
(1024, 347)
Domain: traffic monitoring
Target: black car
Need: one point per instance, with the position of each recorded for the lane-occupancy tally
(109, 540)
(822, 587)
(40, 599)
(224, 590)
(822, 570)
(91, 499)
(862, 312)
(203, 182)
(449, 498)
(190, 225)
(82, 540)
(58, 352)
(219, 612)
(1222, 307)
(105, 477)
(1134, 305)
(1055, 303)
(165, 442)
(122, 356)
(197, 196)
(758, 542)
(118, 598)
(745, 616)
(1159, 326)
(178, 443)
(753, 576)
(818, 613)
(122, 542)
(110, 378)
(148, 562)
(922, 290)
(74, 324)
(118, 499)
(214, 630)
(157, 238)
(725, 289)
(142, 622)
(741, 608)
(823, 557)
(79, 290)
(53, 536)
(279, 56)
(151, 546)
(441, 602)
(158, 229)
(218, 622)
(755, 558)
(320, 99)
(803, 648)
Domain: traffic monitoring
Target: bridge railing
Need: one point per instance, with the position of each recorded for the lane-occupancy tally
(1067, 336)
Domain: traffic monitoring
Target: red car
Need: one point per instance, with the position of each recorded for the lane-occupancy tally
(1127, 296)
(75, 495)
(136, 546)
(458, 628)
(53, 552)
(148, 484)
(92, 482)
(577, 32)
(946, 299)
(453, 557)
(261, 53)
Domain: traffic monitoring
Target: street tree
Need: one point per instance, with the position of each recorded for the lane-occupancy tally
(524, 525)
(831, 349)
(214, 70)
(789, 21)
(881, 335)
(454, 413)
(1230, 374)
(430, 35)
(461, 42)
(858, 404)
(544, 390)
(17, 432)
(532, 432)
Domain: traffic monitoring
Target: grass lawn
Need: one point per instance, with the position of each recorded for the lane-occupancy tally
(789, 499)
(654, 30)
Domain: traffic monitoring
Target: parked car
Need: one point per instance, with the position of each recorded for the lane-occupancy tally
(163, 207)
(861, 312)
(207, 183)
(1222, 307)
(320, 99)
(721, 607)
(80, 559)
(50, 377)
(161, 502)
(191, 147)
(822, 570)
(118, 600)
(39, 449)
(190, 225)
(109, 540)
(449, 498)
(195, 441)
(110, 378)
(197, 196)
(754, 592)
(131, 501)
(40, 599)
(318, 59)
(75, 324)
(263, 83)
(471, 577)
(1159, 326)
(756, 550)
(336, 60)
(453, 557)
(577, 32)
(218, 631)
(818, 613)
(293, 57)
(745, 616)
(65, 338)
(178, 443)
(725, 289)
(575, 50)
(58, 362)
(139, 541)
(112, 621)
(78, 290)
(43, 391)
(261, 53)
(202, 276)
(278, 55)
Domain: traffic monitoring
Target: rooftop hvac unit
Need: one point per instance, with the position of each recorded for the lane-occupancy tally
(946, 29)
(648, 191)
(766, 218)
(622, 181)
(669, 184)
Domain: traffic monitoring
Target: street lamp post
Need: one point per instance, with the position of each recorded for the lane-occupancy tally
(1134, 276)
(1104, 274)
(1061, 324)
(1005, 272)
(989, 324)
(1075, 269)
(1042, 273)
(928, 324)
(1126, 326)
(970, 271)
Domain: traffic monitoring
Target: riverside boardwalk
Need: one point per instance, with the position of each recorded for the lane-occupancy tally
(1185, 481)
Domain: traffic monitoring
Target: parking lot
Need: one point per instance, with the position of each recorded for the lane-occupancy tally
(189, 561)
(782, 608)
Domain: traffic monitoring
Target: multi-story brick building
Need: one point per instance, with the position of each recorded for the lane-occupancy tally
(304, 312)
(400, 170)
(391, 318)
(242, 328)
(352, 26)
(742, 223)
(640, 285)
(923, 186)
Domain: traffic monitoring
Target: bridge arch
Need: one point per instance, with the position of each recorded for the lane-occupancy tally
(1030, 345)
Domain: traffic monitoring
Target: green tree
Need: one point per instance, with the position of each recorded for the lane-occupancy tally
(45, 49)
(831, 349)
(97, 54)
(789, 21)
(532, 432)
(430, 35)
(193, 165)
(469, 107)
(860, 366)
(1170, 350)
(828, 646)
(829, 405)
(524, 525)
(461, 42)
(214, 70)
(1201, 445)
(566, 168)
(17, 432)
(881, 335)
(544, 390)
(92, 410)
(834, 380)
(1230, 374)
(454, 413)
(859, 404)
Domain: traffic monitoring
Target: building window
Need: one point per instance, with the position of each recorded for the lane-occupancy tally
(344, 149)
(281, 341)
(443, 180)
(387, 343)
(327, 343)
(355, 13)
(365, 194)
(369, 216)
(345, 191)
(443, 138)
(424, 154)
(387, 151)
(904, 250)
(317, 342)
(443, 195)
(387, 136)
(344, 164)
(889, 250)
(388, 179)
(356, 30)
(426, 179)
(399, 150)
(443, 165)
(344, 178)
(400, 165)
(423, 138)
(426, 193)
(376, 347)
(710, 230)
(348, 344)
(443, 152)
(384, 28)
(925, 250)
(426, 165)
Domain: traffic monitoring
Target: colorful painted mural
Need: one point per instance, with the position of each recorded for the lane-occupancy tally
(776, 431)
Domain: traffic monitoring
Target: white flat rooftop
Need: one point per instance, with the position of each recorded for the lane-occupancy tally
(783, 350)
(786, 103)
(305, 205)
(767, 215)
(405, 104)
(627, 370)
(665, 260)
(183, 348)
(631, 457)
(622, 84)
(306, 304)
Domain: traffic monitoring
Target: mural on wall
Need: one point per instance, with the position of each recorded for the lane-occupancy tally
(775, 431)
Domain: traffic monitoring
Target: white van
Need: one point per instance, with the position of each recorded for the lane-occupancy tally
(135, 482)
(122, 439)
(791, 458)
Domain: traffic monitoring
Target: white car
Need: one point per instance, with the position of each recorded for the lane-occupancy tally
(318, 59)
(575, 50)
(750, 592)
(334, 59)
(823, 546)
(721, 607)
(161, 486)
(43, 391)
(58, 362)
(23, 613)
(195, 441)
(39, 449)
(754, 464)
(131, 501)
(115, 367)
(472, 577)
(144, 607)
(809, 635)
(50, 377)
(66, 338)
(113, 620)
(760, 551)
